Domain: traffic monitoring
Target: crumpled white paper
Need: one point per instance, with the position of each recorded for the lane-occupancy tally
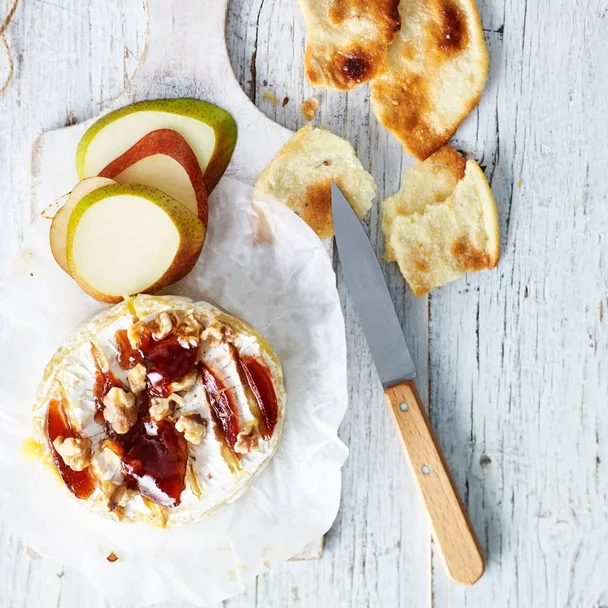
(284, 287)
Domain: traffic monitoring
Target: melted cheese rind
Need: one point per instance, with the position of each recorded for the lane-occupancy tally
(71, 375)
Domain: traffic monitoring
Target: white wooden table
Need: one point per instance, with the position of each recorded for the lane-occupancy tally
(515, 362)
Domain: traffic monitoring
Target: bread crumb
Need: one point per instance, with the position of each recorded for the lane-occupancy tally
(520, 182)
(271, 97)
(309, 108)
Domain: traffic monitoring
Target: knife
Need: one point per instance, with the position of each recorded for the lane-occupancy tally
(452, 531)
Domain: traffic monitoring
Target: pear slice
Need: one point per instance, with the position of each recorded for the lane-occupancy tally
(209, 131)
(164, 160)
(59, 227)
(128, 239)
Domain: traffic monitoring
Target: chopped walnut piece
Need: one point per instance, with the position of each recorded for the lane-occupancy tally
(186, 383)
(188, 332)
(212, 335)
(75, 451)
(137, 378)
(135, 333)
(216, 333)
(117, 496)
(161, 408)
(247, 440)
(193, 426)
(161, 326)
(229, 334)
(120, 410)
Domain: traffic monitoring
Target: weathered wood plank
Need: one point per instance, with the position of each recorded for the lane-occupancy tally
(518, 356)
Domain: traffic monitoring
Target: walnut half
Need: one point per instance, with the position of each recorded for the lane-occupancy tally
(75, 451)
(120, 410)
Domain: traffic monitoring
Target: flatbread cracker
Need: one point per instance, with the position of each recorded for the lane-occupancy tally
(442, 242)
(437, 69)
(347, 40)
(300, 177)
(427, 182)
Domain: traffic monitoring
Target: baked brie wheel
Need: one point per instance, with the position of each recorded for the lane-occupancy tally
(160, 410)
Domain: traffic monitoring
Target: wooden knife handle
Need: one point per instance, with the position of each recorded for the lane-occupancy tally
(452, 531)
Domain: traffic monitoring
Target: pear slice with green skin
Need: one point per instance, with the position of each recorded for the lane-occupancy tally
(59, 227)
(128, 239)
(210, 131)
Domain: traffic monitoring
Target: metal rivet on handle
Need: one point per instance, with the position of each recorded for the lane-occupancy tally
(426, 469)
(404, 407)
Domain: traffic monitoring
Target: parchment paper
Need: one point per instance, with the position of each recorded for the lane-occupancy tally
(263, 264)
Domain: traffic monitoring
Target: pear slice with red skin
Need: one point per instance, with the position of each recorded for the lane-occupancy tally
(59, 227)
(126, 239)
(164, 160)
(210, 132)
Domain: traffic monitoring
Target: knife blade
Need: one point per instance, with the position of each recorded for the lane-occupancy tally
(370, 295)
(452, 530)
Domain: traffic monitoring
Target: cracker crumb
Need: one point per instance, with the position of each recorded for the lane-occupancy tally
(112, 557)
(271, 97)
(309, 108)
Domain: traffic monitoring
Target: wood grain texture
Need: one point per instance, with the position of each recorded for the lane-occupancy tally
(452, 531)
(517, 358)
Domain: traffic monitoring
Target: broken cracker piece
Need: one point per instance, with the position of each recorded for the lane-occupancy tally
(436, 72)
(427, 182)
(347, 40)
(442, 242)
(300, 177)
